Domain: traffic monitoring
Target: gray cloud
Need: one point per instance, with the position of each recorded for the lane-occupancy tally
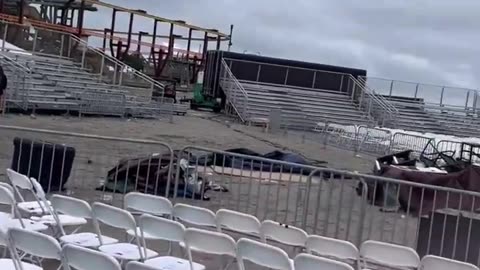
(431, 41)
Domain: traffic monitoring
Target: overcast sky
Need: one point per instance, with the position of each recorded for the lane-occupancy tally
(435, 41)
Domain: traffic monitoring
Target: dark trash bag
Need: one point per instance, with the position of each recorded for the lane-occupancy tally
(50, 164)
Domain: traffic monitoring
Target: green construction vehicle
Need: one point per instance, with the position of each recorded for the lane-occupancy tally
(201, 101)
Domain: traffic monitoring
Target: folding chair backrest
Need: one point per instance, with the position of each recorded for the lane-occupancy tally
(139, 266)
(283, 233)
(35, 243)
(113, 216)
(148, 204)
(331, 247)
(162, 228)
(82, 258)
(388, 254)
(262, 254)
(210, 242)
(7, 197)
(71, 206)
(311, 262)
(238, 222)
(194, 215)
(431, 262)
(7, 186)
(19, 180)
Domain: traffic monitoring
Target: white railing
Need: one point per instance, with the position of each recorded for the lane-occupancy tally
(236, 95)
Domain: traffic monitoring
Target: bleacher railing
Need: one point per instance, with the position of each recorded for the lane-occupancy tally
(18, 87)
(430, 96)
(52, 43)
(377, 109)
(381, 109)
(236, 95)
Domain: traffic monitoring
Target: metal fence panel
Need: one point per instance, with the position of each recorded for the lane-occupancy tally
(373, 140)
(95, 156)
(404, 141)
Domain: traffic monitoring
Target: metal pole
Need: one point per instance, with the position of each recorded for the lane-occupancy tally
(314, 79)
(258, 72)
(230, 37)
(441, 96)
(189, 42)
(62, 40)
(115, 74)
(69, 52)
(35, 40)
(21, 11)
(83, 55)
(416, 90)
(286, 77)
(466, 101)
(341, 83)
(4, 37)
(81, 13)
(219, 40)
(391, 88)
(102, 65)
(121, 75)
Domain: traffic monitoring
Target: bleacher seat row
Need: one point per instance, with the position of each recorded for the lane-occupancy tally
(194, 228)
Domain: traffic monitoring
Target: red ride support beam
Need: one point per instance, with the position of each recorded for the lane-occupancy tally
(171, 40)
(129, 38)
(219, 40)
(189, 42)
(140, 34)
(104, 45)
(21, 11)
(112, 31)
(81, 13)
(2, 6)
(205, 48)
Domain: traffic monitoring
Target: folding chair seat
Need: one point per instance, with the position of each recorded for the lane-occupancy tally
(431, 262)
(332, 248)
(388, 255)
(82, 258)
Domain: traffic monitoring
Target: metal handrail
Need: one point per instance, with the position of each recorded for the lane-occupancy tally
(239, 87)
(389, 109)
(15, 63)
(117, 62)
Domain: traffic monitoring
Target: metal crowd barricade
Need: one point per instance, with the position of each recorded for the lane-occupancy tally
(404, 141)
(96, 172)
(373, 140)
(342, 136)
(431, 219)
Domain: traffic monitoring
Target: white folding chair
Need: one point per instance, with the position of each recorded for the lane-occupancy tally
(283, 234)
(52, 218)
(332, 248)
(262, 254)
(14, 218)
(81, 210)
(389, 255)
(311, 262)
(140, 203)
(82, 258)
(142, 266)
(169, 230)
(237, 222)
(38, 245)
(208, 242)
(20, 181)
(431, 262)
(194, 215)
(120, 219)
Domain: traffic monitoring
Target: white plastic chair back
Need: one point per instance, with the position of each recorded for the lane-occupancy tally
(388, 255)
(331, 247)
(7, 197)
(113, 216)
(148, 204)
(210, 242)
(194, 215)
(431, 262)
(139, 266)
(7, 186)
(82, 258)
(71, 206)
(262, 254)
(282, 233)
(311, 262)
(237, 222)
(161, 228)
(35, 243)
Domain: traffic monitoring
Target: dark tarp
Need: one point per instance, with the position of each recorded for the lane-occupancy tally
(251, 164)
(150, 174)
(467, 179)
